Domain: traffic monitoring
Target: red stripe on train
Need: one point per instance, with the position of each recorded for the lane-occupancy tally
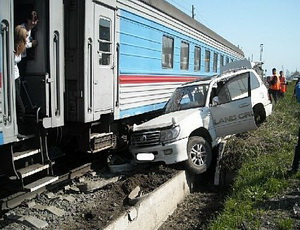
(133, 79)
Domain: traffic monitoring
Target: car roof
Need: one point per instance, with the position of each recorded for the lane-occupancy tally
(227, 74)
(202, 81)
(233, 72)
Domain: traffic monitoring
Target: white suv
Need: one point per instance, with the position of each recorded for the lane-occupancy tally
(198, 115)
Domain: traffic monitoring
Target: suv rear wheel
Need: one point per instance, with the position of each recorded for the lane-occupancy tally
(199, 155)
(259, 114)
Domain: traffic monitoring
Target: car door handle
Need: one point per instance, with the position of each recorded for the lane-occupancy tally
(243, 105)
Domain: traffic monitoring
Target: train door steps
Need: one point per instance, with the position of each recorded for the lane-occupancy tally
(32, 169)
(24, 154)
(101, 141)
(40, 183)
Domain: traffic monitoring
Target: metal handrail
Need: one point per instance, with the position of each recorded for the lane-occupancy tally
(90, 81)
(6, 72)
(57, 87)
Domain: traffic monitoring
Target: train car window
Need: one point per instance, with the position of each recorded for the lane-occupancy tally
(207, 60)
(215, 65)
(104, 41)
(184, 56)
(167, 52)
(227, 60)
(197, 59)
(222, 60)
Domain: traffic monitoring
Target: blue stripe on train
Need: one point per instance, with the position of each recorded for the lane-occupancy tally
(141, 110)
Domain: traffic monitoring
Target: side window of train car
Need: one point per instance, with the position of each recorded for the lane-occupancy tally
(167, 52)
(215, 65)
(207, 60)
(184, 56)
(227, 60)
(197, 59)
(104, 41)
(222, 60)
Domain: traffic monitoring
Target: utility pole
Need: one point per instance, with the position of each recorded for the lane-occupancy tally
(193, 11)
(261, 51)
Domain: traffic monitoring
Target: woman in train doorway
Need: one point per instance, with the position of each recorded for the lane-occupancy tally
(20, 47)
(30, 22)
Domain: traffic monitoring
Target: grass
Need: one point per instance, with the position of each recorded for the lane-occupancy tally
(261, 160)
(285, 224)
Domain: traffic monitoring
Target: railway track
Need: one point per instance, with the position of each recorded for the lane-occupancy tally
(12, 200)
(79, 204)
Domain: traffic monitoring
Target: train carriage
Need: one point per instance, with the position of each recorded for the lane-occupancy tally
(99, 67)
(166, 51)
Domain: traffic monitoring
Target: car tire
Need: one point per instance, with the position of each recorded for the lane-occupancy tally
(199, 155)
(259, 115)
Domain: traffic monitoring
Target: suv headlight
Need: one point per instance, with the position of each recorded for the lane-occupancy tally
(169, 134)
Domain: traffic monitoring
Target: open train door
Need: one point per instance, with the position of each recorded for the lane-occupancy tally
(8, 125)
(56, 77)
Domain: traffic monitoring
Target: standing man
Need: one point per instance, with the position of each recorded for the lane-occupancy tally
(282, 84)
(296, 160)
(274, 84)
(30, 22)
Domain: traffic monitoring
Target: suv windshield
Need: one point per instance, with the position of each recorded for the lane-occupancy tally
(187, 97)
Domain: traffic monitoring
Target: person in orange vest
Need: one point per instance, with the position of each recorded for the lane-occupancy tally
(296, 161)
(274, 86)
(282, 84)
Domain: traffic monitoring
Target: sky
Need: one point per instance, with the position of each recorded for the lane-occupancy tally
(247, 24)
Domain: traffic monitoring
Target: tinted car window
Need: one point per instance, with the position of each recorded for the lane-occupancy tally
(235, 88)
(254, 81)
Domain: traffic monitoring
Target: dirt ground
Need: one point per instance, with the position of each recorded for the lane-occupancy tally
(92, 209)
(197, 210)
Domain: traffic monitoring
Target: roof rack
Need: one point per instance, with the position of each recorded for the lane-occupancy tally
(199, 80)
(233, 70)
(236, 65)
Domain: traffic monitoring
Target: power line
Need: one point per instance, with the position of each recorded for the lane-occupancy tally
(187, 3)
(189, 8)
(181, 7)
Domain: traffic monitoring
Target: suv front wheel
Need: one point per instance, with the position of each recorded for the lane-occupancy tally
(199, 155)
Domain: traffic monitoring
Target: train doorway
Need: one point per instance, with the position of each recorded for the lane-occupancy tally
(104, 64)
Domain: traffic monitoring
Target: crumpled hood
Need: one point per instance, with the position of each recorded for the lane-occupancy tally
(166, 120)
